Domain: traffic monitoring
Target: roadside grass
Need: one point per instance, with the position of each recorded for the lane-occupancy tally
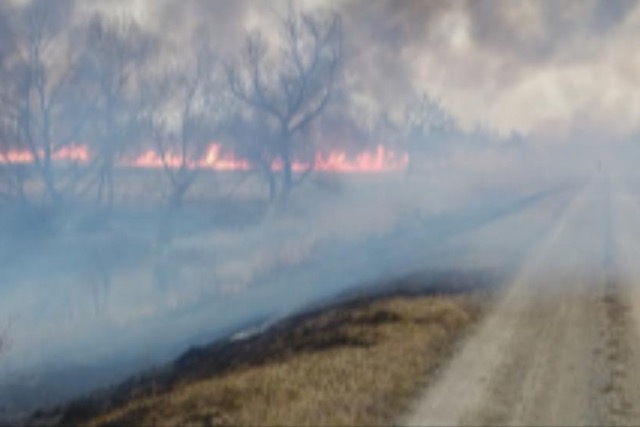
(357, 364)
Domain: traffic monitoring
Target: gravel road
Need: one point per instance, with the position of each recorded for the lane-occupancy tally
(561, 346)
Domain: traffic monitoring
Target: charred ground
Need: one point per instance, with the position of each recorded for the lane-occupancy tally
(417, 318)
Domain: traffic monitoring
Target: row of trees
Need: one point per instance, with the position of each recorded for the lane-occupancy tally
(120, 88)
(114, 85)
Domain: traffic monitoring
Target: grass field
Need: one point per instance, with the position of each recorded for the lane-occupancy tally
(113, 299)
(358, 363)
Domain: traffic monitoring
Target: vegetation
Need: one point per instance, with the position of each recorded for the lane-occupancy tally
(292, 89)
(355, 364)
(124, 88)
(121, 87)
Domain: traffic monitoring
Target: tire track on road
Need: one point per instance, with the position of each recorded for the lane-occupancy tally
(621, 307)
(562, 346)
(481, 385)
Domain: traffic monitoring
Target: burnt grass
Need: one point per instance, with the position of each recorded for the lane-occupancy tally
(319, 328)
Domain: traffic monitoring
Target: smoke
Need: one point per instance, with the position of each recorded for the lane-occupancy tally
(219, 22)
(484, 59)
(509, 65)
(539, 93)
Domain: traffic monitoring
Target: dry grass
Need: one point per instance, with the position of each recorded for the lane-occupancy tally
(353, 365)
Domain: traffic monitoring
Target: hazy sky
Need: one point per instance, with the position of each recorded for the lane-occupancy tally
(535, 66)
(547, 67)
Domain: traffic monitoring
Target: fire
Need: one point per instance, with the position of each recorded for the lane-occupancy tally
(16, 156)
(379, 160)
(150, 159)
(70, 153)
(212, 159)
(340, 162)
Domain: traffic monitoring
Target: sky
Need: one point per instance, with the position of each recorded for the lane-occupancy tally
(537, 67)
(554, 70)
(562, 72)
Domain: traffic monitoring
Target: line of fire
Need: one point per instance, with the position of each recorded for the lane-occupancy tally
(375, 161)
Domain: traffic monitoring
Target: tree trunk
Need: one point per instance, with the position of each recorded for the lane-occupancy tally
(48, 179)
(110, 191)
(174, 204)
(100, 189)
(273, 187)
(109, 153)
(270, 177)
(105, 191)
(287, 176)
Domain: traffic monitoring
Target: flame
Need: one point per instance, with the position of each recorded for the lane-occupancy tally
(380, 161)
(72, 153)
(150, 159)
(335, 161)
(212, 159)
(16, 156)
(78, 153)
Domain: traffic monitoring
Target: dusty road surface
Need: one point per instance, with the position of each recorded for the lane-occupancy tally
(561, 346)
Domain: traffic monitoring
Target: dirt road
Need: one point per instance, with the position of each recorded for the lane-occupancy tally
(562, 345)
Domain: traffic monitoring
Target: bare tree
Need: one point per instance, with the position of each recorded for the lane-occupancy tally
(114, 54)
(254, 140)
(38, 74)
(7, 110)
(42, 86)
(291, 85)
(184, 106)
(427, 124)
(13, 174)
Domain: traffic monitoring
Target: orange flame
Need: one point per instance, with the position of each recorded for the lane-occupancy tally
(380, 160)
(212, 159)
(70, 153)
(16, 156)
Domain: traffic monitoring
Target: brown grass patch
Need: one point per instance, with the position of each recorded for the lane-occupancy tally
(358, 364)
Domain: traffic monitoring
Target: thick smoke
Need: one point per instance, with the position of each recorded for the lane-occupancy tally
(521, 101)
(471, 53)
(465, 53)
